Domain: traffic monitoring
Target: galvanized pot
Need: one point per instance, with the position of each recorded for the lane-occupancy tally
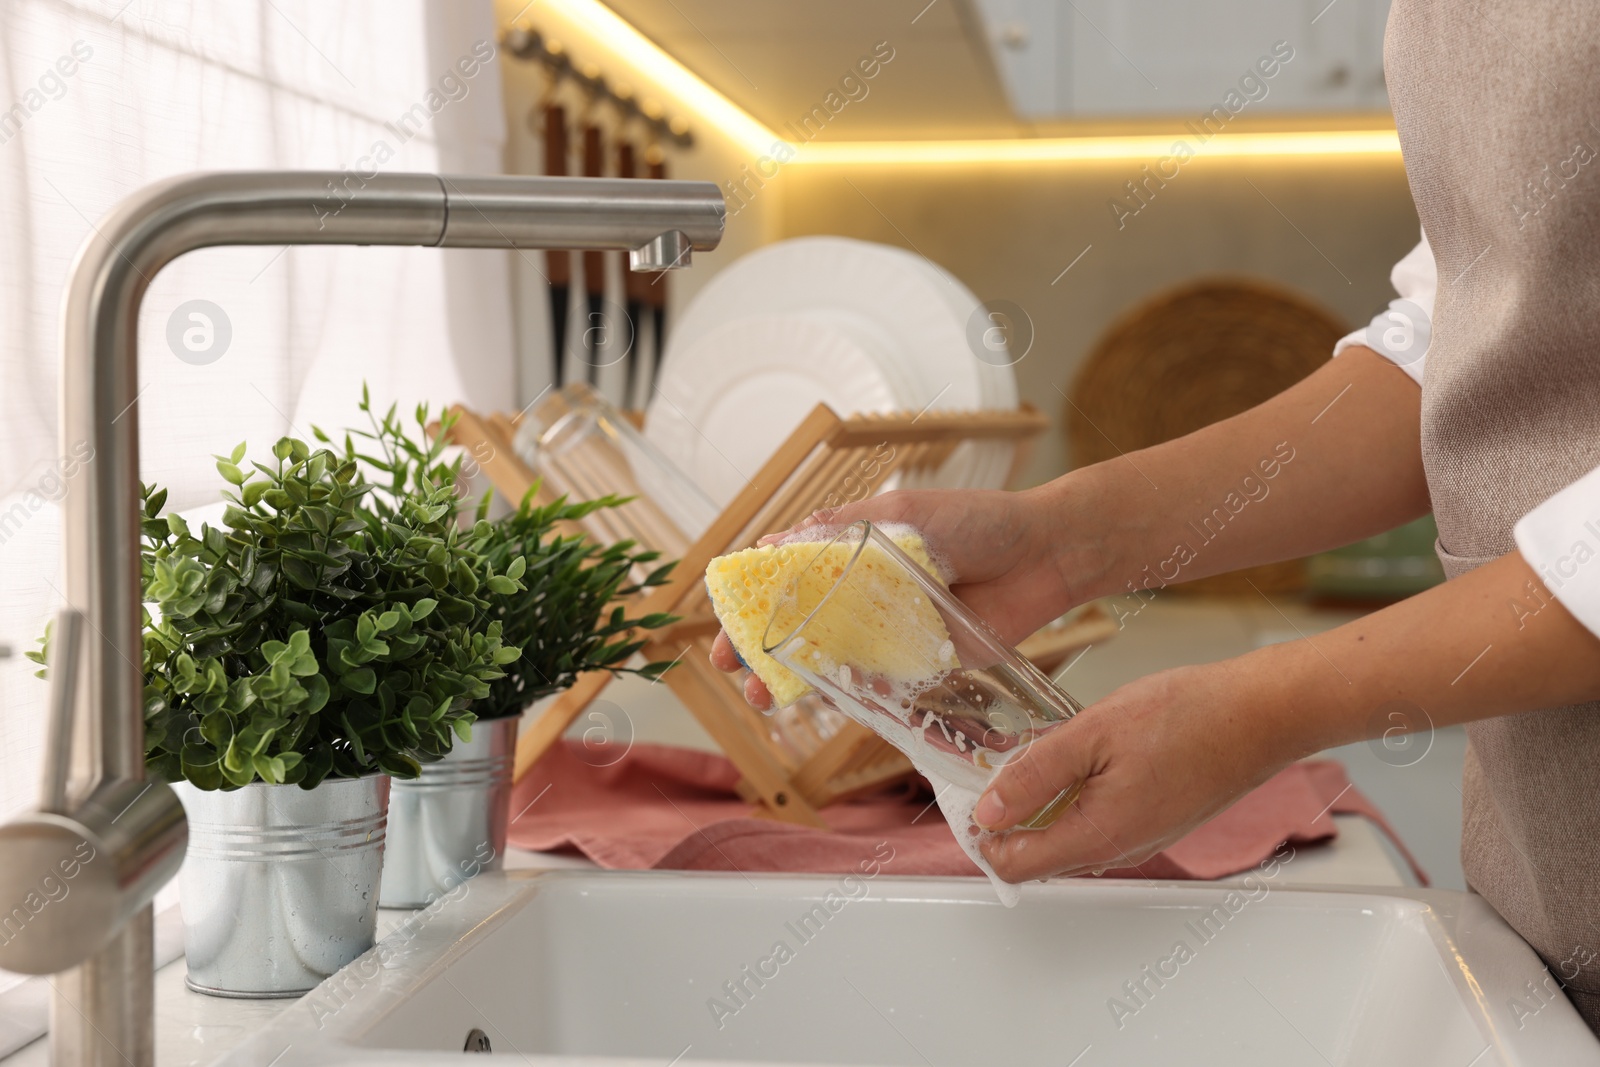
(280, 884)
(450, 823)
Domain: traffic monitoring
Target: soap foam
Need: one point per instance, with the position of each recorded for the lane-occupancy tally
(957, 804)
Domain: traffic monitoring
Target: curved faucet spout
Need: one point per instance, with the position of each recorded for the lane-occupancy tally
(144, 233)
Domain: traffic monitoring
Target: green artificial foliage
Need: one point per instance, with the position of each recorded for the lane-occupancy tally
(567, 622)
(336, 627)
(561, 609)
(331, 627)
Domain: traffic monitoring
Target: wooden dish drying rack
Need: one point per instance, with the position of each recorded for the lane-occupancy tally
(818, 757)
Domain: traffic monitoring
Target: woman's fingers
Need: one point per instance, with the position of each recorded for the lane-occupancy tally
(898, 506)
(1031, 780)
(825, 517)
(1075, 844)
(755, 693)
(723, 657)
(1029, 783)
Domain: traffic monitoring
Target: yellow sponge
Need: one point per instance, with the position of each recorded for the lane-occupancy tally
(880, 623)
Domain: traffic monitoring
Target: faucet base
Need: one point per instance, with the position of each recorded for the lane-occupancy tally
(102, 1013)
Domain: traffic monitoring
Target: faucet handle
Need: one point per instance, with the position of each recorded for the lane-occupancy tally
(108, 850)
(71, 881)
(66, 656)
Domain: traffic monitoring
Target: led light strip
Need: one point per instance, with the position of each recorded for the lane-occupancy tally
(1056, 149)
(641, 54)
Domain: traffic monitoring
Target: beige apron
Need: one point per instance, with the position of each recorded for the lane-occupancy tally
(1498, 108)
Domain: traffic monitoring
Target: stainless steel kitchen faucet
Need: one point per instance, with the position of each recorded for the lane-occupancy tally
(77, 877)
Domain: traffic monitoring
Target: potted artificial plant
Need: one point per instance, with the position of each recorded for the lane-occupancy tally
(449, 823)
(330, 634)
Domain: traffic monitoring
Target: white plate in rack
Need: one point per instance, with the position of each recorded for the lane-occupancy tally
(734, 395)
(896, 290)
(904, 313)
(989, 465)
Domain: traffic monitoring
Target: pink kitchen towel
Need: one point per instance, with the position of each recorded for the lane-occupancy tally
(667, 808)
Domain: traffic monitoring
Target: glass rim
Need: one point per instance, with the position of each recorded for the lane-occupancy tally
(583, 403)
(866, 526)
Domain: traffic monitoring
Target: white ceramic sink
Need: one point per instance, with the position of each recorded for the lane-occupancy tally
(604, 967)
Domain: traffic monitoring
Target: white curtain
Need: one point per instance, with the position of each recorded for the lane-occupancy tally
(99, 97)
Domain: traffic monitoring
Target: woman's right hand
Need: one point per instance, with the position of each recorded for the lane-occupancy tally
(1009, 557)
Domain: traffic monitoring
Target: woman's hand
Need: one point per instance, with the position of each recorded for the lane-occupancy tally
(1158, 757)
(1163, 754)
(1008, 552)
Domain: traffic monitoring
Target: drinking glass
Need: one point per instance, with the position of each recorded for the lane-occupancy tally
(883, 641)
(583, 446)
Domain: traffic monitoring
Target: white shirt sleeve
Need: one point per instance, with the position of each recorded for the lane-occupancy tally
(1560, 539)
(1402, 330)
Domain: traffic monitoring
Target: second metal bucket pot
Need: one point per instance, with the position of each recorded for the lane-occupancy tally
(280, 884)
(450, 823)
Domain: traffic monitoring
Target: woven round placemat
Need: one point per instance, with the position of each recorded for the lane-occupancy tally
(1185, 359)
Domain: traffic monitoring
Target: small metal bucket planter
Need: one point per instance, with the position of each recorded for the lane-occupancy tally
(450, 824)
(280, 884)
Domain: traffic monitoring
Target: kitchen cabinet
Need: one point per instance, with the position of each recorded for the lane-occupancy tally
(1089, 59)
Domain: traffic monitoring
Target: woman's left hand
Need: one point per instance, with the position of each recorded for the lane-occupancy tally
(1158, 757)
